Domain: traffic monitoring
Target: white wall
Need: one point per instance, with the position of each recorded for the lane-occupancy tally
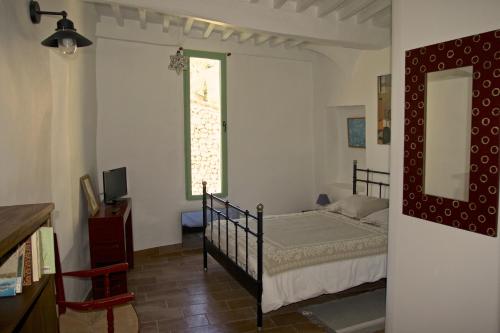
(340, 153)
(361, 89)
(26, 106)
(328, 77)
(47, 123)
(440, 279)
(346, 81)
(74, 126)
(283, 112)
(141, 126)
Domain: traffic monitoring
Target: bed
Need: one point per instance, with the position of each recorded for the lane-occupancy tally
(192, 221)
(287, 258)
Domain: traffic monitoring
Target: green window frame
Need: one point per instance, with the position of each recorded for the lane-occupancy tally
(187, 121)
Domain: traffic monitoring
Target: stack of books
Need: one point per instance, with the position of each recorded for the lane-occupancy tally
(28, 263)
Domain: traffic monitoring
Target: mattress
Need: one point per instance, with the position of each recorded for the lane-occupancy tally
(307, 254)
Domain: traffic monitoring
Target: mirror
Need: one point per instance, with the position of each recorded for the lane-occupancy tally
(451, 133)
(448, 107)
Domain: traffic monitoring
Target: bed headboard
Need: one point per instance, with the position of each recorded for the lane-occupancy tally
(367, 179)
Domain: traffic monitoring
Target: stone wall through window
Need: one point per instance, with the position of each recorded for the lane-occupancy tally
(205, 123)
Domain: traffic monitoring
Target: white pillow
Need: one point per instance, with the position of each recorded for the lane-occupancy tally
(358, 206)
(379, 219)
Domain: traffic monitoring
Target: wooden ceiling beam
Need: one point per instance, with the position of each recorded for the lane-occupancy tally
(327, 7)
(227, 33)
(188, 25)
(277, 40)
(293, 43)
(261, 39)
(246, 16)
(352, 8)
(278, 3)
(208, 30)
(372, 10)
(245, 35)
(142, 17)
(166, 23)
(117, 13)
(302, 5)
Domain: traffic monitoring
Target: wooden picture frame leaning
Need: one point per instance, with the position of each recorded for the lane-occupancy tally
(88, 189)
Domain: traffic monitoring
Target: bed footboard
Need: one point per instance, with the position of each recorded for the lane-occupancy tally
(220, 252)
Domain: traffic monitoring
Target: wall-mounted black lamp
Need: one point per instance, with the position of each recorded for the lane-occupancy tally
(65, 38)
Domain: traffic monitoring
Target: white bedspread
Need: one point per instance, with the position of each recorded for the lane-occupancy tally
(308, 282)
(308, 277)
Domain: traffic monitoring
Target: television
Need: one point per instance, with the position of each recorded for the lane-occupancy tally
(115, 184)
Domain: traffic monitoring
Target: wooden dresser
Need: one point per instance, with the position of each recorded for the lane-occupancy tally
(111, 242)
(34, 310)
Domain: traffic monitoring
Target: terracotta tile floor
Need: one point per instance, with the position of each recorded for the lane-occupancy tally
(173, 294)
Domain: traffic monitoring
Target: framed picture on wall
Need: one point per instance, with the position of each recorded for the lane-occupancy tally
(356, 129)
(384, 109)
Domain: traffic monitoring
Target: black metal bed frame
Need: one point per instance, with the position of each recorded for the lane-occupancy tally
(367, 180)
(221, 254)
(246, 279)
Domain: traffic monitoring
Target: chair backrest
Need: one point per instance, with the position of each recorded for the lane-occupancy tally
(106, 304)
(60, 296)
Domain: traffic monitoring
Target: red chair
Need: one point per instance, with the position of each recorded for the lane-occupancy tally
(112, 312)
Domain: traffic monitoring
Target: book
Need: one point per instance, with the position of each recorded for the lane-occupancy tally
(8, 276)
(35, 257)
(47, 248)
(20, 269)
(28, 275)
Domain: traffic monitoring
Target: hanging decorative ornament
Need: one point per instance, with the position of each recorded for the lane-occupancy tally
(178, 62)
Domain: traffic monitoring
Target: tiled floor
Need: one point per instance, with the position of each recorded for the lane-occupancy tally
(173, 294)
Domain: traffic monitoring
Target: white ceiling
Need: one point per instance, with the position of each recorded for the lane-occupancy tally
(363, 24)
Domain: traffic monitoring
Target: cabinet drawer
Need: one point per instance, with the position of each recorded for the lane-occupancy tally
(107, 231)
(103, 254)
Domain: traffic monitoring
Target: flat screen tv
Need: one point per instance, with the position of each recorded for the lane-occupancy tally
(115, 184)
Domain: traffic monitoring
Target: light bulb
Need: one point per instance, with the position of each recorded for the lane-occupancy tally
(67, 46)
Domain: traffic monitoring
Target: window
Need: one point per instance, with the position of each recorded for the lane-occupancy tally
(205, 123)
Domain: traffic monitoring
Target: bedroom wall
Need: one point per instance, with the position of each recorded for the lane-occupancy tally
(361, 89)
(74, 126)
(140, 126)
(47, 123)
(26, 104)
(345, 83)
(440, 279)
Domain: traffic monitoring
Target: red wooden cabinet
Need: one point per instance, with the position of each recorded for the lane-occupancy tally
(111, 242)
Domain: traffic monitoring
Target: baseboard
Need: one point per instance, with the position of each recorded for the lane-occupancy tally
(372, 325)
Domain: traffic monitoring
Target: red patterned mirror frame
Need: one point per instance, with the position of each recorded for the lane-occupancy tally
(480, 213)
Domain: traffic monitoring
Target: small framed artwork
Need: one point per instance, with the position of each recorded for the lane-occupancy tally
(88, 189)
(356, 137)
(384, 109)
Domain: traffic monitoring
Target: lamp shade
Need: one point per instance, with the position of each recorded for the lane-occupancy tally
(65, 30)
(323, 199)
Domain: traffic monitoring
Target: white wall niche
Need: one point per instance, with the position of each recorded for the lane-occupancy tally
(339, 154)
